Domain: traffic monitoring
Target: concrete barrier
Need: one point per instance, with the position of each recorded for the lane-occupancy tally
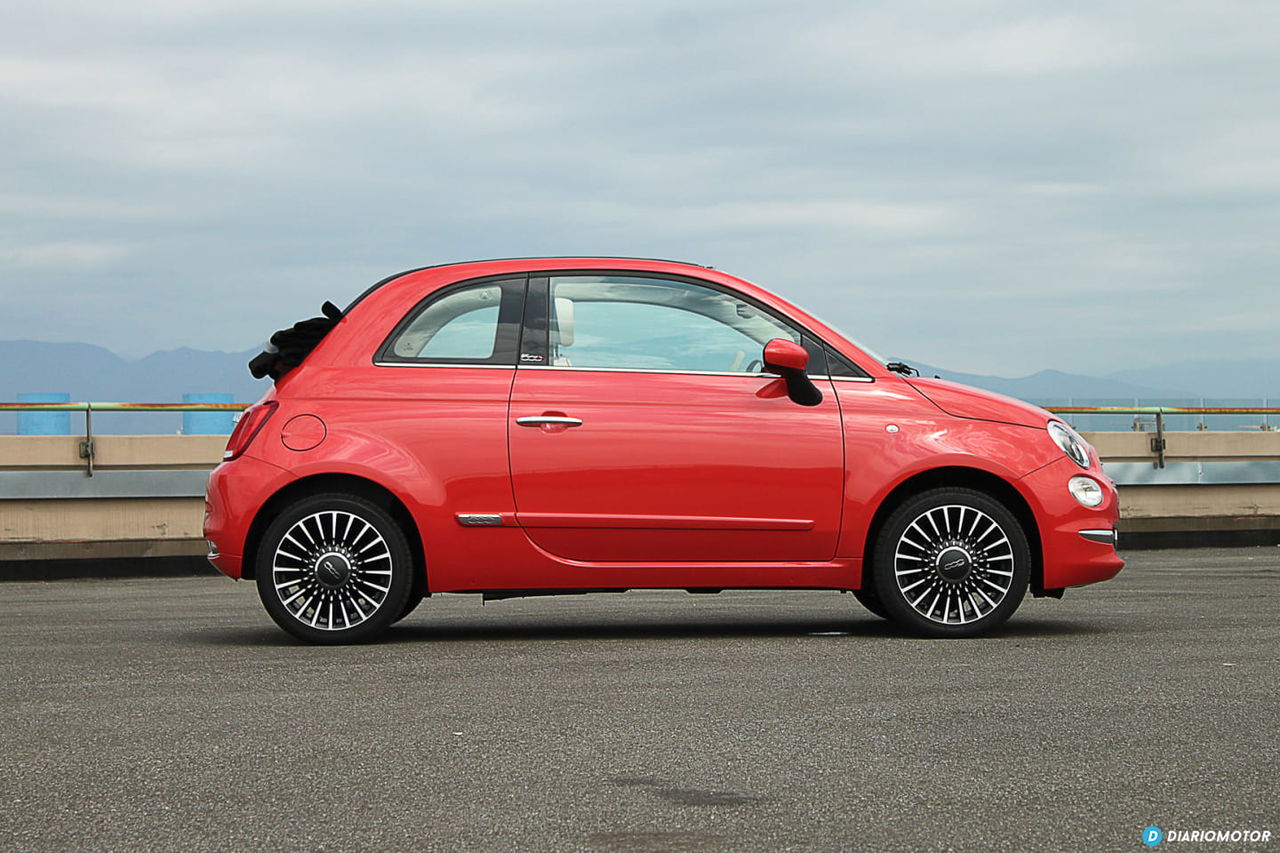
(145, 498)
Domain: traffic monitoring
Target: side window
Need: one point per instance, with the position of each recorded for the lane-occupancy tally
(470, 324)
(841, 368)
(655, 324)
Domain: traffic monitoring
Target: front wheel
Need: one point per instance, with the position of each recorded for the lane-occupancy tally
(334, 568)
(951, 562)
(868, 598)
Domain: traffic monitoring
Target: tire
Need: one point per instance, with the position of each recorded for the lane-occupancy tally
(334, 568)
(869, 599)
(411, 603)
(951, 562)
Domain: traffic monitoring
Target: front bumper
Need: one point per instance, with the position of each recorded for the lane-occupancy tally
(1078, 542)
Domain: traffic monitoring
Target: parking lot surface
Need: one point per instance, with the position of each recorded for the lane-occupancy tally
(170, 714)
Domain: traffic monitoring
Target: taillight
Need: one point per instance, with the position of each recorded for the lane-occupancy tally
(250, 424)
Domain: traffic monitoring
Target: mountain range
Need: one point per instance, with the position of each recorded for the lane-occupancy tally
(90, 372)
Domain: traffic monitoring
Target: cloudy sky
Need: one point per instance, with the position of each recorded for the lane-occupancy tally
(988, 186)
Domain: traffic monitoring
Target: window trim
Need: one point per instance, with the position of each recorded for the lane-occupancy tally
(535, 342)
(506, 342)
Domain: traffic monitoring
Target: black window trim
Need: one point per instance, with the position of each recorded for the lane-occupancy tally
(506, 344)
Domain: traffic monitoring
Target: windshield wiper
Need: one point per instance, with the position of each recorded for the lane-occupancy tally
(903, 368)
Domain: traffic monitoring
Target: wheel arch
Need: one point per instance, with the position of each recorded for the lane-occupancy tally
(961, 477)
(351, 484)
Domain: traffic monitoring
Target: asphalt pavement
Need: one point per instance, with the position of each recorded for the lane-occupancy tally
(171, 714)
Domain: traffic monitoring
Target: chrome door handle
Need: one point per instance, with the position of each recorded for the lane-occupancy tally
(543, 420)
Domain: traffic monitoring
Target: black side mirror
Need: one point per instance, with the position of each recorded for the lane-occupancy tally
(790, 360)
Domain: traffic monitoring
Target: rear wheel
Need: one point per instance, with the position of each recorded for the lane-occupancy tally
(334, 568)
(951, 562)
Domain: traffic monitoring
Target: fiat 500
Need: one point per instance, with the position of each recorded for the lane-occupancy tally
(570, 425)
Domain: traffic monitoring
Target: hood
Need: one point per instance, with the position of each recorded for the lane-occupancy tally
(964, 401)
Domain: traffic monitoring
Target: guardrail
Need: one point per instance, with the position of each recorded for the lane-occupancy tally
(87, 449)
(1159, 444)
(130, 496)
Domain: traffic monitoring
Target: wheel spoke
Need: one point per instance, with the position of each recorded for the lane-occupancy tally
(1000, 589)
(301, 528)
(291, 598)
(914, 544)
(993, 546)
(929, 517)
(914, 585)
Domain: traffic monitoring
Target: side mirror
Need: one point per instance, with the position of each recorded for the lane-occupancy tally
(781, 355)
(789, 360)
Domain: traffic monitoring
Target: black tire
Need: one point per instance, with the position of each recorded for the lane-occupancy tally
(334, 568)
(411, 603)
(869, 599)
(951, 562)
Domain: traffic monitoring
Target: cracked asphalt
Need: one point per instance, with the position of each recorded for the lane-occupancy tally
(171, 714)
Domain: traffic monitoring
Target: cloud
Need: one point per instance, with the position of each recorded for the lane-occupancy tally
(973, 185)
(68, 255)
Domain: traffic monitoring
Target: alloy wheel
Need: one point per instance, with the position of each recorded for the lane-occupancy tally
(954, 564)
(332, 570)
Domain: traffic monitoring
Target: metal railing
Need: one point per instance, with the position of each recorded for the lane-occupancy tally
(1158, 443)
(86, 444)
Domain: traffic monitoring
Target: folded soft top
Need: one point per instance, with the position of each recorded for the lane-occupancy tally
(288, 347)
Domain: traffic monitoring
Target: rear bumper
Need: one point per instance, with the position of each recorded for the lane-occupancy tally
(1078, 542)
(235, 493)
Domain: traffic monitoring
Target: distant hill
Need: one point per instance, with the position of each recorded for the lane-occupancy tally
(1243, 379)
(1058, 386)
(92, 373)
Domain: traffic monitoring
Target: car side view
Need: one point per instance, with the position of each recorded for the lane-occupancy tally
(566, 425)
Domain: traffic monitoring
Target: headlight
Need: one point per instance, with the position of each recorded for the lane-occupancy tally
(1070, 442)
(1086, 490)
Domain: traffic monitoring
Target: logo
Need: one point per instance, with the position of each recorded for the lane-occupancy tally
(1153, 836)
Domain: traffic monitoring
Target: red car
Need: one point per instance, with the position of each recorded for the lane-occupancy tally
(567, 425)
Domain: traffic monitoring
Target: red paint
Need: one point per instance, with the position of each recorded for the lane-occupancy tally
(302, 432)
(672, 480)
(720, 452)
(785, 354)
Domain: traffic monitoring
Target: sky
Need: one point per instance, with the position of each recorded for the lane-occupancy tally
(994, 187)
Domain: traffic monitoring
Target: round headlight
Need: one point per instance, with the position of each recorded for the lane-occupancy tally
(1070, 442)
(1085, 490)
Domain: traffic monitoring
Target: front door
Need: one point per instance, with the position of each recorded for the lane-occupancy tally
(643, 430)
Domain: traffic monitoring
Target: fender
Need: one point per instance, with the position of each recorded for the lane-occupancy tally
(999, 450)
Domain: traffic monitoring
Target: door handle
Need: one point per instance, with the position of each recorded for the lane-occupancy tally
(549, 420)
